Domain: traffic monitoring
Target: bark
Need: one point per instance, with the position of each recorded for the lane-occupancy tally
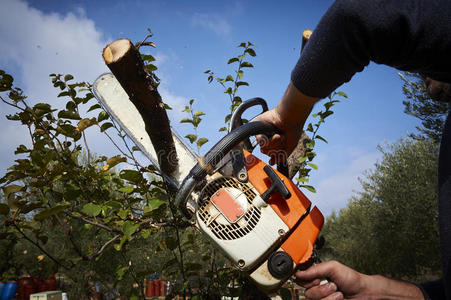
(125, 62)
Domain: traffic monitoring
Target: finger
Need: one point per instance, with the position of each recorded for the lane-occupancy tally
(308, 284)
(321, 291)
(335, 296)
(322, 270)
(270, 143)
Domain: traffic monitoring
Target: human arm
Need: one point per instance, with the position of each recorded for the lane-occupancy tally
(346, 283)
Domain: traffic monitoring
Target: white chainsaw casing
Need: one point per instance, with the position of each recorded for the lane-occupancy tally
(246, 238)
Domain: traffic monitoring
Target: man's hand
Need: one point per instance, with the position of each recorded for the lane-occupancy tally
(289, 117)
(279, 146)
(346, 283)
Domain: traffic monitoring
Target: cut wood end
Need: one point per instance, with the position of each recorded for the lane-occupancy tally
(306, 34)
(117, 49)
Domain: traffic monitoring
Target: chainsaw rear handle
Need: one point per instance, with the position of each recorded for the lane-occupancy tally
(214, 156)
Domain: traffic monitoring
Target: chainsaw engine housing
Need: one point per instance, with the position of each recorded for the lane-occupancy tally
(264, 234)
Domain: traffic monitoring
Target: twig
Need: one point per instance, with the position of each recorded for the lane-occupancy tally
(40, 248)
(103, 226)
(104, 247)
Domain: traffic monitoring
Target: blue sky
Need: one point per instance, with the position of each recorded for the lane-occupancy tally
(40, 37)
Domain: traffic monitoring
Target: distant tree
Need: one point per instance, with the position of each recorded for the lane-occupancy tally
(390, 227)
(418, 104)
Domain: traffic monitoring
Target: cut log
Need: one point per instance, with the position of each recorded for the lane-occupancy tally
(125, 62)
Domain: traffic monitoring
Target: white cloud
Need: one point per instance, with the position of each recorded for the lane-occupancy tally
(335, 188)
(41, 44)
(34, 45)
(213, 22)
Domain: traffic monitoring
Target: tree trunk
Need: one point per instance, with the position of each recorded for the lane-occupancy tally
(125, 62)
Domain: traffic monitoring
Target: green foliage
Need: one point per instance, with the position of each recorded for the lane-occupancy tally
(420, 105)
(194, 119)
(231, 83)
(390, 228)
(74, 211)
(309, 155)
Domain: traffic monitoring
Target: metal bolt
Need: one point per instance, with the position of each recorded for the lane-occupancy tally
(281, 232)
(242, 176)
(241, 263)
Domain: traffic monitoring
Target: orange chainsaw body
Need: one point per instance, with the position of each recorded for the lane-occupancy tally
(304, 229)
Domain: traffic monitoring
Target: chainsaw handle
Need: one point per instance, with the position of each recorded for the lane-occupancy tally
(236, 120)
(214, 156)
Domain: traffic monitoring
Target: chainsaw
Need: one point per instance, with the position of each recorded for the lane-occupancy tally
(254, 214)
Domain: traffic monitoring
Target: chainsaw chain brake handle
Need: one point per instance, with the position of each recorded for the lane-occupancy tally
(277, 185)
(213, 157)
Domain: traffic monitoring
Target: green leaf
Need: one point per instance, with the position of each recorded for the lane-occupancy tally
(147, 57)
(246, 64)
(51, 211)
(105, 126)
(302, 159)
(201, 141)
(222, 129)
(113, 204)
(155, 204)
(321, 138)
(151, 67)
(166, 106)
(228, 78)
(103, 115)
(239, 83)
(131, 175)
(240, 74)
(44, 107)
(250, 51)
(66, 114)
(4, 209)
(313, 166)
(192, 137)
(91, 209)
(309, 187)
(113, 161)
(199, 113)
(342, 94)
(309, 127)
(232, 60)
(129, 228)
(120, 273)
(95, 106)
(68, 77)
(242, 45)
(10, 189)
(126, 189)
(6, 81)
(186, 120)
(85, 123)
(21, 149)
(326, 114)
(145, 233)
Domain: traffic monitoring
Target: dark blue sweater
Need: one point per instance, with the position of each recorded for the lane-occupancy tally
(410, 35)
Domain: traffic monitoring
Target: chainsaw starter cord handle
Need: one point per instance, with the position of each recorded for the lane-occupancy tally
(214, 156)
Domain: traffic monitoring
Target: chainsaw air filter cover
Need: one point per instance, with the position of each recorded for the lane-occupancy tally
(228, 214)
